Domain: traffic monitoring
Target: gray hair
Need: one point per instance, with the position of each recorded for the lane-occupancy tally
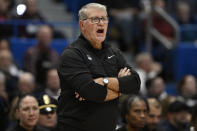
(83, 11)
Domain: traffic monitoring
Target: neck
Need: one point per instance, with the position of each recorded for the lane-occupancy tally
(96, 45)
(131, 128)
(28, 128)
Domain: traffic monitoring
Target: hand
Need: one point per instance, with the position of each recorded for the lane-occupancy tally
(78, 97)
(99, 81)
(124, 72)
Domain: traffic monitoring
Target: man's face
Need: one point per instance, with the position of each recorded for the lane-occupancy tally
(137, 114)
(53, 80)
(28, 112)
(44, 36)
(153, 117)
(181, 119)
(48, 120)
(94, 32)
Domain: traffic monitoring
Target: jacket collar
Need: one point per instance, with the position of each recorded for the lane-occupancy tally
(88, 45)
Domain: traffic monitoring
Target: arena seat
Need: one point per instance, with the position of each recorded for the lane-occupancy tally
(185, 60)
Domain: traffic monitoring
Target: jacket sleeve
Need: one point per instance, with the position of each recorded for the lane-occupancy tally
(73, 70)
(128, 84)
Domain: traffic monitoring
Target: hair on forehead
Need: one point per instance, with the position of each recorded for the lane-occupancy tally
(83, 11)
(22, 96)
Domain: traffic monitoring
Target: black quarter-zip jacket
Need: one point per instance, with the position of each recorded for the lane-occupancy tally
(79, 64)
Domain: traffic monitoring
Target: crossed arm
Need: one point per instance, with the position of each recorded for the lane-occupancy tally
(113, 85)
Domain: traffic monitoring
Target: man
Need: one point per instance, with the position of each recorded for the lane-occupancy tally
(154, 114)
(26, 83)
(39, 58)
(178, 117)
(52, 83)
(48, 115)
(95, 73)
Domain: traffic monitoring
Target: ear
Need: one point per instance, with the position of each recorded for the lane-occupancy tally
(81, 24)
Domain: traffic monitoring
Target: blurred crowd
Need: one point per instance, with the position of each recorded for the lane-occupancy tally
(29, 95)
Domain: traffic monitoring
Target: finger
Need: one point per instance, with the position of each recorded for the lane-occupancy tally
(76, 95)
(129, 73)
(80, 99)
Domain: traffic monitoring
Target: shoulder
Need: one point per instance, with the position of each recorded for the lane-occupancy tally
(39, 128)
(31, 50)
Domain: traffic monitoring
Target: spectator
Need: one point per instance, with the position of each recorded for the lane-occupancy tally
(48, 115)
(28, 113)
(156, 88)
(147, 68)
(10, 71)
(52, 83)
(154, 115)
(134, 113)
(184, 17)
(4, 44)
(187, 89)
(39, 58)
(178, 117)
(26, 83)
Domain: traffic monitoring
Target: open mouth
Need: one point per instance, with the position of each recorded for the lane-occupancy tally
(100, 31)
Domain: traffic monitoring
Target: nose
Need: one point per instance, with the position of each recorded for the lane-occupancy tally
(142, 115)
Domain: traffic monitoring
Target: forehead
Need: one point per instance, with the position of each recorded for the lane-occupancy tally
(28, 101)
(154, 110)
(91, 12)
(138, 104)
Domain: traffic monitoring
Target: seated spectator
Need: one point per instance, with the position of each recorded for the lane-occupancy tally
(154, 115)
(10, 71)
(147, 68)
(134, 112)
(178, 117)
(187, 89)
(39, 58)
(52, 83)
(48, 115)
(184, 17)
(4, 44)
(28, 113)
(156, 88)
(26, 83)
